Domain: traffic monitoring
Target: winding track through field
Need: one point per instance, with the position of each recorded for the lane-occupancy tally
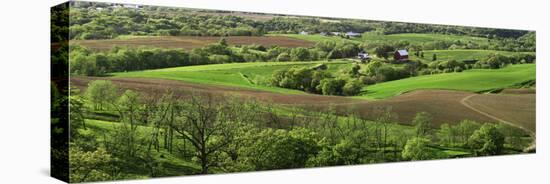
(464, 102)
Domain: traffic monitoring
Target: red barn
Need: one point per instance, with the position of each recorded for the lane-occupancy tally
(401, 55)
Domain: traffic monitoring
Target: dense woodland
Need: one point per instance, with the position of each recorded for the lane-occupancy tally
(225, 134)
(90, 22)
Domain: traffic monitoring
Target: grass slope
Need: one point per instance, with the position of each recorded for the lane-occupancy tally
(476, 80)
(462, 54)
(414, 38)
(245, 75)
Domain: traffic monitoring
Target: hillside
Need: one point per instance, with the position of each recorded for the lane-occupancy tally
(476, 80)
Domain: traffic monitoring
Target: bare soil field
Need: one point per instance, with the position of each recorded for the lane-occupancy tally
(444, 105)
(518, 109)
(191, 42)
(519, 91)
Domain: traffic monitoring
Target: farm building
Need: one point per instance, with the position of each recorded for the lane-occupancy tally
(363, 56)
(353, 34)
(401, 55)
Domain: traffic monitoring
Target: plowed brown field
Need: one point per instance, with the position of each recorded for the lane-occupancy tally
(191, 42)
(444, 105)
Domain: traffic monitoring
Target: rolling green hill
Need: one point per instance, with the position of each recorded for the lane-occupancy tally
(410, 37)
(476, 80)
(246, 75)
(462, 54)
(421, 37)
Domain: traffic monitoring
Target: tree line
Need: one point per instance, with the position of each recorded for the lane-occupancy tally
(119, 59)
(100, 21)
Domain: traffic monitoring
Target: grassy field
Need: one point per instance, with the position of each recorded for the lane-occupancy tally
(413, 38)
(476, 80)
(246, 75)
(416, 38)
(462, 54)
(255, 76)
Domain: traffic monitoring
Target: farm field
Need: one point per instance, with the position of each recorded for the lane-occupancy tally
(443, 104)
(188, 42)
(317, 38)
(476, 80)
(251, 75)
(165, 91)
(463, 54)
(414, 38)
(247, 75)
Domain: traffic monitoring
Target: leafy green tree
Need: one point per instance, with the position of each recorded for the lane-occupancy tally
(447, 134)
(330, 86)
(86, 166)
(487, 140)
(76, 114)
(422, 124)
(352, 87)
(125, 138)
(299, 54)
(101, 93)
(434, 57)
(326, 45)
(465, 129)
(383, 51)
(281, 149)
(316, 78)
(283, 57)
(372, 68)
(354, 70)
(418, 149)
(223, 42)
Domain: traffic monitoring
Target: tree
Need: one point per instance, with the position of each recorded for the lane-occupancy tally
(330, 86)
(207, 124)
(487, 140)
(87, 166)
(283, 57)
(447, 134)
(101, 93)
(383, 50)
(422, 124)
(299, 54)
(280, 149)
(372, 68)
(434, 57)
(352, 87)
(418, 149)
(466, 128)
(223, 42)
(354, 71)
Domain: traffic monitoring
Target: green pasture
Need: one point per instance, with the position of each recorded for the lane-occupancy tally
(475, 80)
